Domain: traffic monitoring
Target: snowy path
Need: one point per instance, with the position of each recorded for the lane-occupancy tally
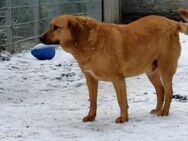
(46, 101)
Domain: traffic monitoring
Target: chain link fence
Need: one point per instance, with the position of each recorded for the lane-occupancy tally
(22, 21)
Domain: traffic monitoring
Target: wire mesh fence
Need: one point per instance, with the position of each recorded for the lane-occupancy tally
(22, 21)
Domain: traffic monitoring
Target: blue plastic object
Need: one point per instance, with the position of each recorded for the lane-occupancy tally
(43, 52)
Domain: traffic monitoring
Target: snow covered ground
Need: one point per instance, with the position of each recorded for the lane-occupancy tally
(46, 101)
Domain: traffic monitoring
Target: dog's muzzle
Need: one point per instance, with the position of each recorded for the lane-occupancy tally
(42, 38)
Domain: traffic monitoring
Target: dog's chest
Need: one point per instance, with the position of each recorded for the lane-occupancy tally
(97, 75)
(93, 74)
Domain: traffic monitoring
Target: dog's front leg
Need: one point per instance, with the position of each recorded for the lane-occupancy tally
(93, 87)
(120, 87)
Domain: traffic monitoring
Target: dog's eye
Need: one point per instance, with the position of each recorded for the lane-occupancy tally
(55, 27)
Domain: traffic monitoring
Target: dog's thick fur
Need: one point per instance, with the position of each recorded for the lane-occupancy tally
(112, 52)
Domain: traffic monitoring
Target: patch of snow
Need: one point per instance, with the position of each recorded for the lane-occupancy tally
(5, 56)
(46, 100)
(41, 46)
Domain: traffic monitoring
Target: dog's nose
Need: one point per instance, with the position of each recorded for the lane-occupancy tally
(41, 38)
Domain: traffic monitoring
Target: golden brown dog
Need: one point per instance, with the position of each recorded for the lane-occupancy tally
(112, 52)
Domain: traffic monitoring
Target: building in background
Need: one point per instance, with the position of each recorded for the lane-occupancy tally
(125, 11)
(134, 9)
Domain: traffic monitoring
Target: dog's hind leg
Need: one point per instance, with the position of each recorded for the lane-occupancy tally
(157, 83)
(167, 81)
(167, 68)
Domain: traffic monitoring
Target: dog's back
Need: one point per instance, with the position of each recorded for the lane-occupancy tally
(112, 52)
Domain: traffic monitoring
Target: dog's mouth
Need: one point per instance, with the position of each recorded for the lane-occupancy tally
(50, 43)
(44, 40)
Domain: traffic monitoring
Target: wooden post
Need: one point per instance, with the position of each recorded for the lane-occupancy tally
(37, 19)
(9, 35)
(112, 11)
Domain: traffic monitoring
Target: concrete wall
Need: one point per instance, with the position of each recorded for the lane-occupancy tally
(134, 9)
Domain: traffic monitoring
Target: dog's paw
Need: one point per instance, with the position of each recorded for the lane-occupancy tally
(121, 120)
(154, 111)
(88, 118)
(162, 113)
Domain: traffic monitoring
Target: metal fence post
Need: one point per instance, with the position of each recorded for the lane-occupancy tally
(37, 19)
(9, 33)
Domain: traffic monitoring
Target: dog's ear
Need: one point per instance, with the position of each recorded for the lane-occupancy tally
(57, 21)
(75, 29)
(80, 30)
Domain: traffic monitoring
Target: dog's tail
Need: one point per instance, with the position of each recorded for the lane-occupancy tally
(182, 27)
(184, 14)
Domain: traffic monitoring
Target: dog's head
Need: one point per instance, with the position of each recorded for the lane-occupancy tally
(70, 31)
